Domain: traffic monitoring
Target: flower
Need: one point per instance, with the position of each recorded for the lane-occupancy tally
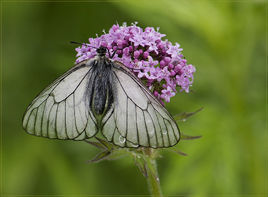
(159, 64)
(167, 93)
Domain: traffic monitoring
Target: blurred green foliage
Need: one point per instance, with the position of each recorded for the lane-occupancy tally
(225, 41)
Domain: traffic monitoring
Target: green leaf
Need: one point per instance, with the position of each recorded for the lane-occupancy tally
(96, 144)
(185, 115)
(188, 137)
(101, 156)
(105, 143)
(118, 154)
(179, 152)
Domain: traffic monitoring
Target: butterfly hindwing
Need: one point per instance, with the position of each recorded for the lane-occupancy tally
(62, 109)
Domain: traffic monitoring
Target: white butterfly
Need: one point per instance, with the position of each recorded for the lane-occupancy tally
(101, 95)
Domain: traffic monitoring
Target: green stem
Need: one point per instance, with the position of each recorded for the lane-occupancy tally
(152, 177)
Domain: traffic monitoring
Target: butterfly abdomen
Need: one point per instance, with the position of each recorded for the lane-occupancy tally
(102, 97)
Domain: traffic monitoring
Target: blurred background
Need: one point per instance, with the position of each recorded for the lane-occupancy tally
(225, 41)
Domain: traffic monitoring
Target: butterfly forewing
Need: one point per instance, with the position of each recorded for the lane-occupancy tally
(139, 119)
(62, 109)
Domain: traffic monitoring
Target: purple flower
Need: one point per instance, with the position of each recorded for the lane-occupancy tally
(159, 64)
(167, 93)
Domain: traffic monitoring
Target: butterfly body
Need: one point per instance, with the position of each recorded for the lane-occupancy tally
(101, 95)
(101, 89)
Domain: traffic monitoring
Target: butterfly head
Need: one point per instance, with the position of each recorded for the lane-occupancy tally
(102, 51)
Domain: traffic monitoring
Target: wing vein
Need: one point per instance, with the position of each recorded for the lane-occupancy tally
(114, 133)
(147, 132)
(65, 123)
(167, 131)
(125, 91)
(35, 130)
(28, 119)
(56, 131)
(172, 129)
(137, 129)
(137, 80)
(109, 117)
(126, 119)
(75, 118)
(43, 117)
(72, 93)
(154, 129)
(160, 128)
(49, 119)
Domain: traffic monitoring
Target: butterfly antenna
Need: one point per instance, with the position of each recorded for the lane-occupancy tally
(74, 42)
(115, 52)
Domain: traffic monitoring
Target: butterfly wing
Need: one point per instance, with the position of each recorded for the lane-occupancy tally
(61, 110)
(137, 118)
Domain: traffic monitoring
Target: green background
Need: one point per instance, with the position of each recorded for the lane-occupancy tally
(225, 41)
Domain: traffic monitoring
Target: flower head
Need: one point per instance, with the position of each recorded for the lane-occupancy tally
(157, 62)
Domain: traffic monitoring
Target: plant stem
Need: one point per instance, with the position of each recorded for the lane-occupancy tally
(152, 176)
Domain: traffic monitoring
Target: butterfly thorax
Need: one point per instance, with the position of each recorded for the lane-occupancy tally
(102, 93)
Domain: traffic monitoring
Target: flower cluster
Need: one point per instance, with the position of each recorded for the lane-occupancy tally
(158, 63)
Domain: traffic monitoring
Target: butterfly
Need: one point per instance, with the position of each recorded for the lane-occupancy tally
(101, 95)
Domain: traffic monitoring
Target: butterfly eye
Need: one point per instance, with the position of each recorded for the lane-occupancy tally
(102, 50)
